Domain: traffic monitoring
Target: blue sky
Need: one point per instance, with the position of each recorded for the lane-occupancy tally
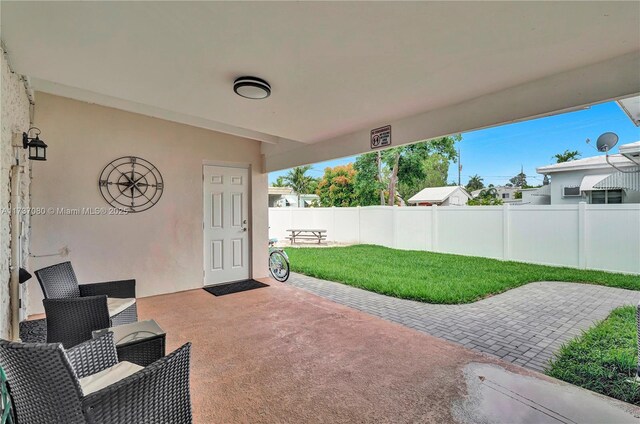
(496, 154)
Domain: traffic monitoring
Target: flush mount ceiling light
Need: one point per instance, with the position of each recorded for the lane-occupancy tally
(252, 88)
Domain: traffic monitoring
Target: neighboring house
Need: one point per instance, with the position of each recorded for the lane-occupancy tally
(285, 197)
(593, 180)
(505, 193)
(277, 193)
(291, 201)
(441, 196)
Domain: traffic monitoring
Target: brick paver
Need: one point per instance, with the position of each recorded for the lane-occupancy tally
(525, 325)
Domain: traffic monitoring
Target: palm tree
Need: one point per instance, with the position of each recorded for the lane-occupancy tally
(487, 196)
(475, 183)
(299, 182)
(489, 193)
(279, 182)
(567, 156)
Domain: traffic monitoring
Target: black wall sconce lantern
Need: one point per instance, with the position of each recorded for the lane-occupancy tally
(37, 148)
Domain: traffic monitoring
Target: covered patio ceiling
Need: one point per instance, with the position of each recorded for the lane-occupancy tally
(337, 70)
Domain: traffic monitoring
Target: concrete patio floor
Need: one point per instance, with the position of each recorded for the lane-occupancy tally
(283, 355)
(525, 325)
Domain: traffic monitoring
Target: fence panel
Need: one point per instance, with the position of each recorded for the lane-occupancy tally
(413, 228)
(346, 225)
(470, 231)
(314, 218)
(605, 237)
(279, 222)
(376, 225)
(613, 237)
(544, 234)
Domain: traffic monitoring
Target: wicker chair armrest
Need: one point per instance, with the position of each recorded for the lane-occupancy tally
(93, 355)
(121, 289)
(157, 394)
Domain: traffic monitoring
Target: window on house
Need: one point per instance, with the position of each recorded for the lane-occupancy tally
(601, 197)
(614, 196)
(505, 195)
(571, 191)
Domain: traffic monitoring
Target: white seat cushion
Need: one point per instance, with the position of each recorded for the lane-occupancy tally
(117, 305)
(94, 382)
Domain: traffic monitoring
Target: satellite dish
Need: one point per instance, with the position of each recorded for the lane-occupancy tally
(606, 141)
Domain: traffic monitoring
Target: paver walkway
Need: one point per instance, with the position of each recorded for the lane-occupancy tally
(525, 325)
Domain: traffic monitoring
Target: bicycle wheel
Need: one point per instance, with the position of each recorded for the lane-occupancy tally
(278, 266)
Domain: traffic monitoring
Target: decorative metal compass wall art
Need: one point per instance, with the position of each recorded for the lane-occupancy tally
(131, 184)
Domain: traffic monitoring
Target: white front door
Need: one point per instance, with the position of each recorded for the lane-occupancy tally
(226, 229)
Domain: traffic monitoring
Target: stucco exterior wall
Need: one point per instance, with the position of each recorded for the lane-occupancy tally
(15, 120)
(161, 247)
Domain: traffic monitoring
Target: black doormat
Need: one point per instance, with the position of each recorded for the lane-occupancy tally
(238, 286)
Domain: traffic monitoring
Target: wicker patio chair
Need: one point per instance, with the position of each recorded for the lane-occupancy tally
(59, 282)
(87, 384)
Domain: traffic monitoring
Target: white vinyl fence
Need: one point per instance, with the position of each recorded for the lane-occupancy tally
(605, 237)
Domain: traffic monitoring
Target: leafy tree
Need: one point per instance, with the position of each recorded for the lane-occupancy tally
(484, 201)
(435, 173)
(416, 166)
(475, 183)
(299, 181)
(567, 156)
(337, 187)
(368, 184)
(389, 176)
(519, 180)
(313, 185)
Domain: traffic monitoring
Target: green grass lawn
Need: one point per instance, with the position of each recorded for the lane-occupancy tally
(435, 277)
(603, 358)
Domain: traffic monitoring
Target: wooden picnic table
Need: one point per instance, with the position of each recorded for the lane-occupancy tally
(307, 234)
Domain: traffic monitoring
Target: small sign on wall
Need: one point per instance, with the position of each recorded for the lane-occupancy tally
(381, 137)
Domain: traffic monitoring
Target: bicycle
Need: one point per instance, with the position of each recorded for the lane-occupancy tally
(278, 262)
